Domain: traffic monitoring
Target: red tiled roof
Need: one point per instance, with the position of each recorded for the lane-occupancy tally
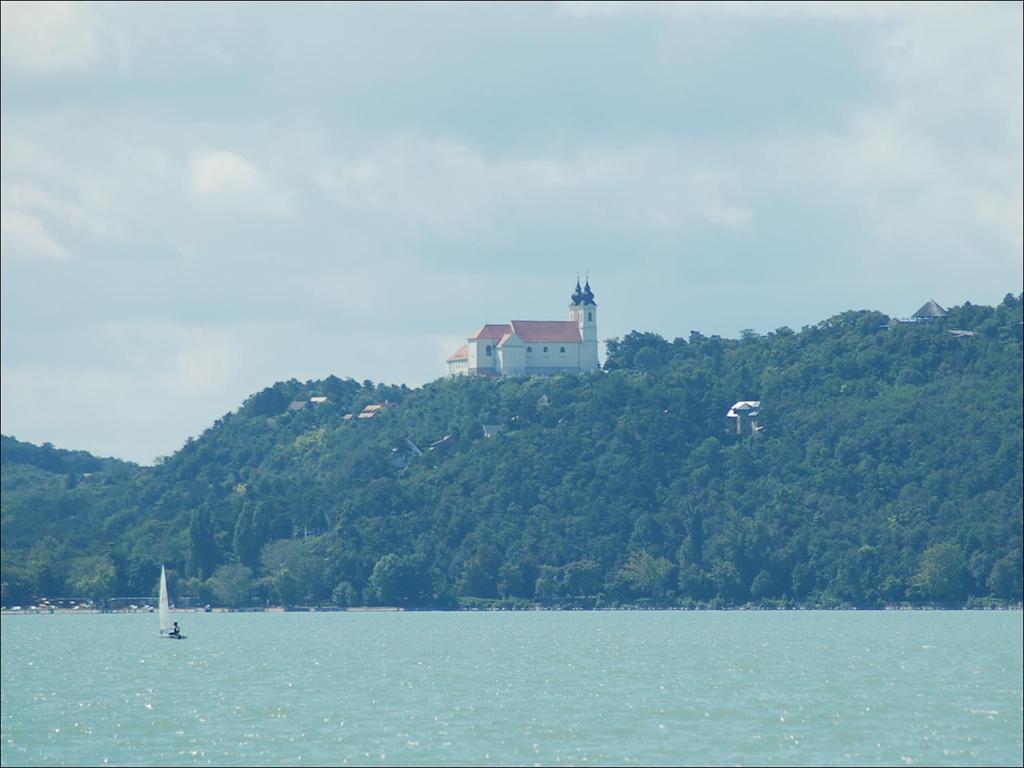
(492, 331)
(372, 410)
(547, 330)
(459, 354)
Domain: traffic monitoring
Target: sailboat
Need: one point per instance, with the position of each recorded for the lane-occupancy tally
(165, 609)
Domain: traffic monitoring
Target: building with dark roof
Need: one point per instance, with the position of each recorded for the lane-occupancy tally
(929, 311)
(533, 347)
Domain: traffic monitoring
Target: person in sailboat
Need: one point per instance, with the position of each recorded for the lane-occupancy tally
(175, 631)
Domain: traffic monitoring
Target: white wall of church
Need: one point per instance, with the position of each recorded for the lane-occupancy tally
(516, 357)
(512, 360)
(458, 368)
(586, 318)
(553, 355)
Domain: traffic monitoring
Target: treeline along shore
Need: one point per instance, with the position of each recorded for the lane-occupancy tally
(881, 467)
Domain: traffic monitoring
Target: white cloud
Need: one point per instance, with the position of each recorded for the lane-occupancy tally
(858, 9)
(225, 178)
(68, 167)
(49, 38)
(441, 186)
(404, 213)
(173, 359)
(25, 236)
(31, 197)
(731, 216)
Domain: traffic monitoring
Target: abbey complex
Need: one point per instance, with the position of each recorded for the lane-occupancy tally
(534, 347)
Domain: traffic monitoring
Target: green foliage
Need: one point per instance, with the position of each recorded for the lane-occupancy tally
(582, 577)
(202, 553)
(479, 577)
(50, 459)
(643, 575)
(549, 582)
(344, 594)
(231, 585)
(941, 574)
(399, 580)
(93, 577)
(1005, 579)
(763, 586)
(888, 468)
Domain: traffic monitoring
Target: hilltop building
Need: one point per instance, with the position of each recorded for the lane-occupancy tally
(929, 311)
(534, 347)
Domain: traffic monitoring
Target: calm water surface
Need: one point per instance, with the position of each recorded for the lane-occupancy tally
(607, 688)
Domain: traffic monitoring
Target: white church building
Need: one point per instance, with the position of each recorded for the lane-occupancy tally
(534, 347)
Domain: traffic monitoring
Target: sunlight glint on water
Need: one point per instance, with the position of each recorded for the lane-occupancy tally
(807, 688)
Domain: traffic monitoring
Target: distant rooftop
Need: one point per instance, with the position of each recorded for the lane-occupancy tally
(744, 408)
(462, 353)
(538, 331)
(930, 309)
(372, 410)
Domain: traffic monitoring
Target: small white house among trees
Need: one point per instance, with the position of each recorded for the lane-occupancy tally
(745, 412)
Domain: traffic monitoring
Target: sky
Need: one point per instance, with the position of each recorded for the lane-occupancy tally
(200, 199)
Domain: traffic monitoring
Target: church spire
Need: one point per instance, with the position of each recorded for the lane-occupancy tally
(577, 295)
(588, 295)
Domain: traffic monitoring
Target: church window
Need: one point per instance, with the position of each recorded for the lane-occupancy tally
(562, 350)
(590, 317)
(488, 350)
(545, 349)
(529, 349)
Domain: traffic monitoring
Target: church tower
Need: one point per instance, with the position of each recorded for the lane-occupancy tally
(583, 311)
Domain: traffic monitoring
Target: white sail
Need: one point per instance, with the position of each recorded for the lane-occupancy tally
(165, 607)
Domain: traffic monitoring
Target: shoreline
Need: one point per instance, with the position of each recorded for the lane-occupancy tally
(396, 609)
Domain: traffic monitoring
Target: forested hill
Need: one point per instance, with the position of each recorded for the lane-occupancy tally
(887, 468)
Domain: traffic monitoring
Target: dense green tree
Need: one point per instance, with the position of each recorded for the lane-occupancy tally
(399, 580)
(886, 467)
(202, 553)
(643, 575)
(286, 587)
(93, 577)
(1005, 579)
(549, 582)
(941, 573)
(763, 586)
(344, 594)
(479, 577)
(231, 585)
(18, 586)
(246, 540)
(517, 578)
(582, 577)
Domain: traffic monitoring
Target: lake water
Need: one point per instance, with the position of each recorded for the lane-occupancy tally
(599, 688)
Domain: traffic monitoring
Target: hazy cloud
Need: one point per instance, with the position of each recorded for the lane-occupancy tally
(223, 177)
(25, 236)
(49, 38)
(728, 215)
(273, 191)
(206, 361)
(30, 197)
(853, 9)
